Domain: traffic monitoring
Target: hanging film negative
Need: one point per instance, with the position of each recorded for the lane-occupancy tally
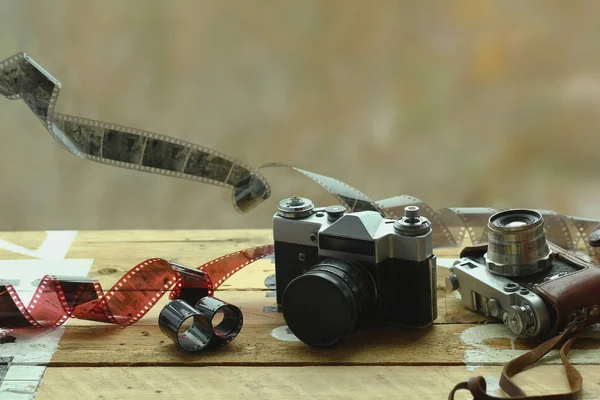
(57, 298)
(23, 78)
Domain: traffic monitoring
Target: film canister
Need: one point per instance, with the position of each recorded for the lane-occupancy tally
(201, 334)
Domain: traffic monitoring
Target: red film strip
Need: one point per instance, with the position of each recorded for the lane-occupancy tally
(57, 299)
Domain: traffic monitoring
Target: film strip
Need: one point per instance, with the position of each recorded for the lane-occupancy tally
(23, 78)
(57, 299)
(465, 226)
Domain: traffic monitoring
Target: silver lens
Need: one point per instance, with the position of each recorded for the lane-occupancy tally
(517, 243)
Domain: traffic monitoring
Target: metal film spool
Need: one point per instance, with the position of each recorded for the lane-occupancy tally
(171, 320)
(231, 324)
(201, 334)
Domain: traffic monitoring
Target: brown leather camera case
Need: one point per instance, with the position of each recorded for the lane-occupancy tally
(567, 294)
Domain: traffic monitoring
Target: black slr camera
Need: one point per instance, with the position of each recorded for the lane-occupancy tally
(336, 271)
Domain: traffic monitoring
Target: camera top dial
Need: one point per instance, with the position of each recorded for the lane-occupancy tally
(295, 207)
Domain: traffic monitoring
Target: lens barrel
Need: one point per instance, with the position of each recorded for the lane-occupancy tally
(517, 243)
(323, 306)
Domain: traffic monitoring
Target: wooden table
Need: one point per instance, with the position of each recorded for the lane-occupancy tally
(101, 361)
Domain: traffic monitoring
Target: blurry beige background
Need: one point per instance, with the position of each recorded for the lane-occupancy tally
(459, 103)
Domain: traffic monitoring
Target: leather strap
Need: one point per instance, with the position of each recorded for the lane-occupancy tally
(477, 385)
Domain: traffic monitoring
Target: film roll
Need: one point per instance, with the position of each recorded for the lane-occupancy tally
(172, 319)
(58, 298)
(202, 334)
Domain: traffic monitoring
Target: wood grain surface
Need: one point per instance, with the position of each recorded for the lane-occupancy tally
(103, 361)
(314, 382)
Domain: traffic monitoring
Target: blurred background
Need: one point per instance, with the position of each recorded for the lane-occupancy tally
(459, 103)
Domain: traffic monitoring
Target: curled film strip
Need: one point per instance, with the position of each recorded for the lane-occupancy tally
(57, 299)
(23, 78)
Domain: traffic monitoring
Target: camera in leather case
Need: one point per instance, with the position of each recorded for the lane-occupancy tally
(535, 287)
(336, 271)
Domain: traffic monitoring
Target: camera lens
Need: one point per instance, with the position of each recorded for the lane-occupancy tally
(323, 306)
(517, 243)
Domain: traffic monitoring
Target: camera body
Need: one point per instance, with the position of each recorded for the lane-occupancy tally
(336, 270)
(532, 285)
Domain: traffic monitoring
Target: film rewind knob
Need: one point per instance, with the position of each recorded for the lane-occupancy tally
(520, 319)
(412, 223)
(335, 212)
(412, 212)
(295, 207)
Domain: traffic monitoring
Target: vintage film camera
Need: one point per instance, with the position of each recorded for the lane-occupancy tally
(336, 271)
(532, 285)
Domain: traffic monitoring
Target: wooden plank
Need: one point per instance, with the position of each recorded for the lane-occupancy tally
(240, 236)
(459, 337)
(429, 382)
(252, 304)
(452, 344)
(21, 381)
(259, 307)
(115, 253)
(147, 345)
(30, 240)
